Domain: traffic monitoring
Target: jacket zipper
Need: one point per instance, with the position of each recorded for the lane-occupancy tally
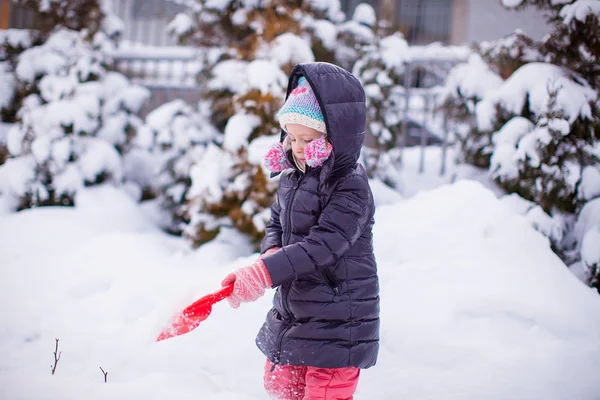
(285, 290)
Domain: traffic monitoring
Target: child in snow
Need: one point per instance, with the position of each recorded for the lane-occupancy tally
(318, 249)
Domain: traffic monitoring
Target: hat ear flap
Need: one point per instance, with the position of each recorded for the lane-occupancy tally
(317, 152)
(276, 159)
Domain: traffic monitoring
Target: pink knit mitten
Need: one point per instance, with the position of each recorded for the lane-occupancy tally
(249, 283)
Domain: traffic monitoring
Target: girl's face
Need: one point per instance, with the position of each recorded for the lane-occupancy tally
(300, 136)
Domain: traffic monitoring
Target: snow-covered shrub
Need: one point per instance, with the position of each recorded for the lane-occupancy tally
(173, 139)
(238, 191)
(74, 130)
(355, 35)
(466, 85)
(386, 69)
(540, 126)
(549, 158)
(381, 71)
(90, 17)
(250, 47)
(575, 40)
(509, 53)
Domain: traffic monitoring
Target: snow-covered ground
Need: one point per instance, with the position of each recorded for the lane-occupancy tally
(475, 305)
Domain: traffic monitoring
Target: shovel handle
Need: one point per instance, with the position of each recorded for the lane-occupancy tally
(222, 293)
(209, 300)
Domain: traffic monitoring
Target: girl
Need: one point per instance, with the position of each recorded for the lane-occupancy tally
(318, 248)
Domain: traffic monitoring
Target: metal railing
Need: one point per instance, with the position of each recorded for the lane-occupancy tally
(169, 73)
(172, 74)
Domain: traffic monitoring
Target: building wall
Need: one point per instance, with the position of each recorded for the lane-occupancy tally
(477, 20)
(145, 20)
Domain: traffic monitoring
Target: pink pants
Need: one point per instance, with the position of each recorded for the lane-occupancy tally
(288, 382)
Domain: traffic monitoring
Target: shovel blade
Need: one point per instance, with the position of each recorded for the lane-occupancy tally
(181, 325)
(194, 314)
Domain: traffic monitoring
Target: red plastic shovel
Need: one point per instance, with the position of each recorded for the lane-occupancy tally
(192, 315)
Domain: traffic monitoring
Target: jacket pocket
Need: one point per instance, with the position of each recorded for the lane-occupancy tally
(332, 283)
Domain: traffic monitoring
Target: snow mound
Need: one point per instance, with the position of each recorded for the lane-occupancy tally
(473, 300)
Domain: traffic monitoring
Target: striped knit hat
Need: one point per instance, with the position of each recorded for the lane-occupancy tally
(302, 108)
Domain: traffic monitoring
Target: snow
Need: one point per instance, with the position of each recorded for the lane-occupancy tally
(16, 37)
(4, 128)
(238, 130)
(217, 5)
(229, 75)
(533, 81)
(15, 175)
(383, 194)
(559, 125)
(326, 31)
(174, 125)
(589, 187)
(511, 3)
(503, 161)
(588, 218)
(54, 56)
(265, 76)
(473, 79)
(291, 49)
(139, 167)
(7, 85)
(517, 203)
(360, 32)
(259, 147)
(112, 25)
(580, 10)
(134, 98)
(550, 227)
(99, 157)
(491, 313)
(332, 7)
(161, 117)
(210, 174)
(180, 25)
(590, 251)
(365, 14)
(514, 45)
(527, 150)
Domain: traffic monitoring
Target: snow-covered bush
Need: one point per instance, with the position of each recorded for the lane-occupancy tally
(385, 69)
(250, 48)
(173, 138)
(12, 43)
(73, 131)
(537, 131)
(355, 36)
(229, 186)
(381, 71)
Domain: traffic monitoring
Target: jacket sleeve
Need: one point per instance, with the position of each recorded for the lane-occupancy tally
(341, 223)
(273, 231)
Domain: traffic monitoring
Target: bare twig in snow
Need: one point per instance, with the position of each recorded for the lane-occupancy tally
(56, 357)
(105, 374)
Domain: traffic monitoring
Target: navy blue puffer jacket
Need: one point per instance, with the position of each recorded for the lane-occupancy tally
(326, 308)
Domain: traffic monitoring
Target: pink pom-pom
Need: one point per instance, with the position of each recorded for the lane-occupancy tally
(317, 152)
(276, 159)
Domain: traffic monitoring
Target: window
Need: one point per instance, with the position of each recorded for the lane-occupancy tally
(156, 9)
(424, 21)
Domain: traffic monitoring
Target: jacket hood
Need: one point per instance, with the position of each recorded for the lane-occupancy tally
(342, 100)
